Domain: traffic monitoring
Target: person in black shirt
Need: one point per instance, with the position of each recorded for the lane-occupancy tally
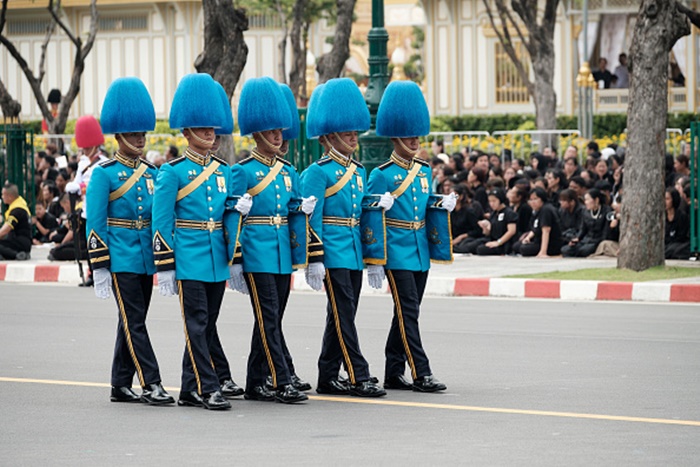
(476, 180)
(570, 215)
(45, 223)
(592, 228)
(465, 220)
(677, 227)
(518, 203)
(16, 231)
(555, 180)
(544, 237)
(501, 228)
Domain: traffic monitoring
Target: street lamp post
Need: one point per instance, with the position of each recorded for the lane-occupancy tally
(375, 149)
(586, 84)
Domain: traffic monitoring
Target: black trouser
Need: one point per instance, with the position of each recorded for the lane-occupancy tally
(268, 295)
(9, 247)
(580, 249)
(404, 342)
(133, 352)
(218, 357)
(677, 250)
(340, 341)
(200, 303)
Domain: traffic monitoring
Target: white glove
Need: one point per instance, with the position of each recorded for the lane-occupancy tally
(244, 204)
(103, 282)
(73, 187)
(315, 274)
(449, 202)
(386, 201)
(166, 283)
(236, 281)
(375, 276)
(308, 205)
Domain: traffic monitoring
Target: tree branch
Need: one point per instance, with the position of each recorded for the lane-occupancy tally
(2, 15)
(692, 15)
(10, 107)
(502, 8)
(550, 13)
(54, 15)
(42, 61)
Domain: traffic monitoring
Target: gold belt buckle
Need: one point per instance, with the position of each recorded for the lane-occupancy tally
(354, 222)
(138, 225)
(276, 220)
(415, 225)
(211, 226)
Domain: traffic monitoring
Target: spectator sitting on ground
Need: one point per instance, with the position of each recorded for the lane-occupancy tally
(571, 168)
(517, 200)
(579, 185)
(604, 187)
(682, 186)
(508, 175)
(617, 180)
(518, 165)
(495, 162)
(72, 169)
(496, 182)
(443, 173)
(500, 230)
(570, 215)
(540, 182)
(677, 228)
(437, 146)
(171, 153)
(592, 148)
(544, 237)
(592, 228)
(482, 162)
(465, 219)
(476, 180)
(538, 162)
(435, 165)
(681, 166)
(456, 162)
(45, 223)
(555, 184)
(16, 231)
(64, 250)
(602, 170)
(610, 246)
(495, 172)
(61, 181)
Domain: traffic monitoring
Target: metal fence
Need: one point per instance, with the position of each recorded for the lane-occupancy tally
(455, 141)
(17, 160)
(522, 143)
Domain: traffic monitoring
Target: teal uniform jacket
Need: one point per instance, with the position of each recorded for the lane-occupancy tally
(407, 249)
(266, 247)
(342, 247)
(188, 234)
(119, 231)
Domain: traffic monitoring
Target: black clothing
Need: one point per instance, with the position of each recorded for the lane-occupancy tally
(545, 217)
(268, 295)
(200, 304)
(524, 214)
(48, 222)
(404, 341)
(466, 221)
(20, 237)
(570, 222)
(591, 234)
(481, 196)
(499, 226)
(677, 236)
(133, 352)
(54, 208)
(604, 75)
(340, 341)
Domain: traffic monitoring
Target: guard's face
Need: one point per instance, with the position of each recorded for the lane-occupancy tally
(273, 136)
(199, 139)
(284, 149)
(401, 144)
(349, 138)
(133, 140)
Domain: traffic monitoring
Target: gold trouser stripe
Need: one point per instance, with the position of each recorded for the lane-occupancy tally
(336, 318)
(187, 339)
(399, 315)
(261, 326)
(127, 334)
(101, 258)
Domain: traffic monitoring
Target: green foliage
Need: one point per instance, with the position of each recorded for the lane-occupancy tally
(34, 125)
(604, 125)
(163, 128)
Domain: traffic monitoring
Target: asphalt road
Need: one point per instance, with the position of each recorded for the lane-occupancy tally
(529, 383)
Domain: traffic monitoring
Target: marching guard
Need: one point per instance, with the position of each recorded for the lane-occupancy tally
(417, 229)
(336, 260)
(192, 234)
(264, 266)
(119, 200)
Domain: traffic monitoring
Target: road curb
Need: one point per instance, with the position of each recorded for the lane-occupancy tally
(438, 285)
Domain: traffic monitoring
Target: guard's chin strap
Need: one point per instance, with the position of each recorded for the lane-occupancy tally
(129, 146)
(274, 147)
(408, 151)
(323, 140)
(93, 151)
(344, 144)
(204, 142)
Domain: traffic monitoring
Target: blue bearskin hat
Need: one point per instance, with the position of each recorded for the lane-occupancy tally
(293, 131)
(197, 103)
(312, 113)
(262, 107)
(227, 125)
(127, 107)
(403, 112)
(342, 108)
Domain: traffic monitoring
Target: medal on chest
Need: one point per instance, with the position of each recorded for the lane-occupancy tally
(424, 185)
(288, 182)
(359, 183)
(221, 184)
(149, 185)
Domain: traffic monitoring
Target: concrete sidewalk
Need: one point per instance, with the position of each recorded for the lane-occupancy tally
(467, 276)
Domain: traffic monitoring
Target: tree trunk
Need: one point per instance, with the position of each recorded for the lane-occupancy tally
(332, 64)
(10, 107)
(297, 73)
(659, 25)
(544, 96)
(225, 52)
(282, 45)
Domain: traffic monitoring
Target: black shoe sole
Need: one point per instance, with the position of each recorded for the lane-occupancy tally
(231, 395)
(217, 407)
(436, 389)
(126, 401)
(364, 394)
(183, 403)
(249, 397)
(398, 388)
(301, 398)
(156, 403)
